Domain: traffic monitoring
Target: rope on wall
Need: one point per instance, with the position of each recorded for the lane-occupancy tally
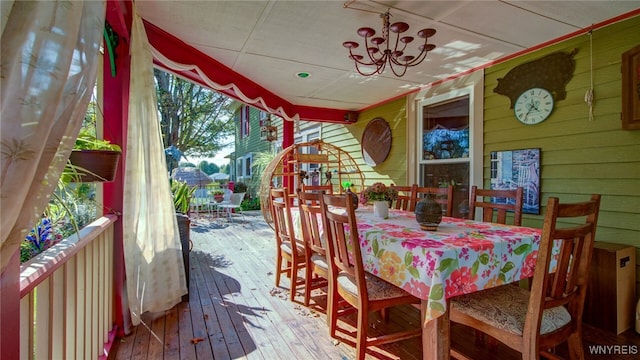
(588, 96)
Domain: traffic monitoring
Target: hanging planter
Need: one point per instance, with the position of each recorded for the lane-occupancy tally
(94, 165)
(93, 160)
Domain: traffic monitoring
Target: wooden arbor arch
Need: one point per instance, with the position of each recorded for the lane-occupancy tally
(306, 163)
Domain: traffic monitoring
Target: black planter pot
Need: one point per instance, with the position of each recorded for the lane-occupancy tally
(184, 225)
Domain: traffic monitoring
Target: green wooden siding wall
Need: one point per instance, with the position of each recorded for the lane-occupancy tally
(578, 156)
(250, 144)
(394, 168)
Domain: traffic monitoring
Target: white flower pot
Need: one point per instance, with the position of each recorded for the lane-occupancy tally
(381, 209)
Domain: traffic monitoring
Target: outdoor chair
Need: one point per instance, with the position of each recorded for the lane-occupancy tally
(442, 195)
(496, 207)
(232, 206)
(200, 201)
(349, 281)
(535, 321)
(288, 248)
(317, 267)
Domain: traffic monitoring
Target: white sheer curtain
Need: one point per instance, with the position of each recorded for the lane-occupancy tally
(48, 64)
(153, 253)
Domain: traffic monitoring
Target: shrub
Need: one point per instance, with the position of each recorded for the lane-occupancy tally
(250, 204)
(240, 187)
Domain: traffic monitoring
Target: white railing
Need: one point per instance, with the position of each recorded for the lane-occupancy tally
(66, 292)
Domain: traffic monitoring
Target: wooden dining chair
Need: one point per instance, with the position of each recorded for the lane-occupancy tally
(317, 268)
(288, 248)
(349, 281)
(405, 194)
(442, 195)
(499, 202)
(536, 321)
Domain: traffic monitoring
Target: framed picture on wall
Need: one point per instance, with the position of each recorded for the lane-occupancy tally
(631, 89)
(511, 169)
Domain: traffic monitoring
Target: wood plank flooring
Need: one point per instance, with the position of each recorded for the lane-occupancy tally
(235, 311)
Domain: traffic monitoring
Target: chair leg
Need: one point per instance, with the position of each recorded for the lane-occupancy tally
(576, 350)
(332, 308)
(278, 267)
(307, 282)
(361, 338)
(294, 279)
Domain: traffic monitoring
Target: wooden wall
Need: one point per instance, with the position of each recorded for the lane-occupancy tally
(579, 156)
(394, 168)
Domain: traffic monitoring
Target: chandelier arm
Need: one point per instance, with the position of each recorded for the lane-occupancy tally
(418, 59)
(398, 74)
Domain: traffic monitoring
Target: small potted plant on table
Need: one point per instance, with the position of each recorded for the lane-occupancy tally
(218, 195)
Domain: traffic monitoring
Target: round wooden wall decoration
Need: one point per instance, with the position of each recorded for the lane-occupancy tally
(376, 141)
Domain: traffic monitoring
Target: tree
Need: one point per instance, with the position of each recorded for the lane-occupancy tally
(194, 119)
(208, 168)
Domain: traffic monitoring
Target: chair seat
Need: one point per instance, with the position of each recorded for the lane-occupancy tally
(505, 308)
(320, 261)
(377, 288)
(286, 247)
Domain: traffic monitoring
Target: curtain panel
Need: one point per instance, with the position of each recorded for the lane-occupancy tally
(155, 272)
(48, 63)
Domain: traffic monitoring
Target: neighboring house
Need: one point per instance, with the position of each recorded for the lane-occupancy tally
(249, 142)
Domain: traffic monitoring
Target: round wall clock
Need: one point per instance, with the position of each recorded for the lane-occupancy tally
(533, 106)
(376, 141)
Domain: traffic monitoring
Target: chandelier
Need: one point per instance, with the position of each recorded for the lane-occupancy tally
(380, 51)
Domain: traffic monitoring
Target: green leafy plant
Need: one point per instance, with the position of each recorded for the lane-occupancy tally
(181, 195)
(215, 192)
(87, 141)
(240, 187)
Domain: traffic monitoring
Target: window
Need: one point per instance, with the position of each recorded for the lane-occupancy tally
(446, 143)
(239, 168)
(245, 120)
(248, 162)
(313, 170)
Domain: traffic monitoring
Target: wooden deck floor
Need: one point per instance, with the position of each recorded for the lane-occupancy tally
(235, 311)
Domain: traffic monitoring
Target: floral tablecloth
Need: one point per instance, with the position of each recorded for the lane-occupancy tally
(461, 257)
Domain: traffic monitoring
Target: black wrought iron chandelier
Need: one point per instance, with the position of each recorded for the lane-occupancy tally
(380, 52)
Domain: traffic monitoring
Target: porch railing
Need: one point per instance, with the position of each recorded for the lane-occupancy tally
(66, 306)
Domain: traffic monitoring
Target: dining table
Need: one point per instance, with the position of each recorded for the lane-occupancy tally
(460, 257)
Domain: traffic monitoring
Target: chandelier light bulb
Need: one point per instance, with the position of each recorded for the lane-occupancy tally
(380, 51)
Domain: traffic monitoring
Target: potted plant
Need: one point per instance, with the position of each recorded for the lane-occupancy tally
(218, 195)
(94, 160)
(181, 198)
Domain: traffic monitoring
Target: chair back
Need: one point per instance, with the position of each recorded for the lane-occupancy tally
(236, 198)
(405, 194)
(327, 189)
(226, 197)
(281, 215)
(311, 216)
(499, 203)
(566, 286)
(442, 195)
(343, 245)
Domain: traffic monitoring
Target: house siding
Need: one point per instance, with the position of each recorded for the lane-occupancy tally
(394, 168)
(245, 145)
(578, 156)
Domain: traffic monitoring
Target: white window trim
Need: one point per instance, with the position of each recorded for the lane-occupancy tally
(476, 130)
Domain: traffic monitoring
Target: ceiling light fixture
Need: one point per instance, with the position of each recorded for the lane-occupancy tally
(380, 51)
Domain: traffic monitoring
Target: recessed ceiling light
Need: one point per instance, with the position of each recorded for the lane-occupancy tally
(303, 74)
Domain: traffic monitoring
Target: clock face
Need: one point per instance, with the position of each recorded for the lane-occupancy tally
(533, 106)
